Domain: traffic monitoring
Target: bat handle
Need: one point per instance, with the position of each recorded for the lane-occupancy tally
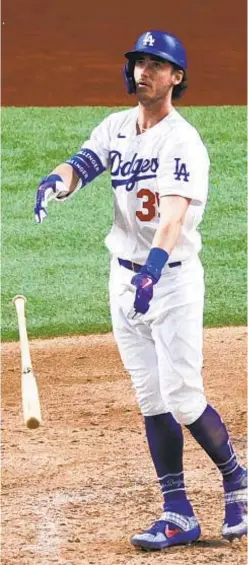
(19, 302)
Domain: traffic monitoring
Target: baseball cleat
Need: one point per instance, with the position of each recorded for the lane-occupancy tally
(170, 529)
(235, 523)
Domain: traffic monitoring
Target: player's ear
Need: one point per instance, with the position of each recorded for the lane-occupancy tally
(177, 76)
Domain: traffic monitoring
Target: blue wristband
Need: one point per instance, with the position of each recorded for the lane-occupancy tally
(155, 262)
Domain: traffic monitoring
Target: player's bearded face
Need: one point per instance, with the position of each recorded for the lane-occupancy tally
(154, 78)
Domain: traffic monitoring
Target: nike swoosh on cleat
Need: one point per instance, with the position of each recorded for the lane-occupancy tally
(171, 533)
(121, 136)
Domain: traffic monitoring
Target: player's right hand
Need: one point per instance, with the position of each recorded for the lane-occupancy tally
(49, 188)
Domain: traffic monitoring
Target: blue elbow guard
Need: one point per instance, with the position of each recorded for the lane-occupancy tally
(87, 165)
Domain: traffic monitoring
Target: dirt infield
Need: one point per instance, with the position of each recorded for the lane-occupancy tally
(58, 53)
(76, 489)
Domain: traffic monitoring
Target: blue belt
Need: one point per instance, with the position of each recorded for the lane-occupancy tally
(136, 268)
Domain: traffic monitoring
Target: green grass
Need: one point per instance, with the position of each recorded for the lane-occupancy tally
(62, 265)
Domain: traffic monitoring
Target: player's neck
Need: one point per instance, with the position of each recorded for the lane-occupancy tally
(151, 114)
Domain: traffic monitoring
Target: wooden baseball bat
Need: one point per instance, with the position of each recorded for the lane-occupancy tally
(30, 395)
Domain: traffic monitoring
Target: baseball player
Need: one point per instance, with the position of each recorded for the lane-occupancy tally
(159, 173)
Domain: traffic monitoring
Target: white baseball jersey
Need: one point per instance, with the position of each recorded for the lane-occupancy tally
(168, 159)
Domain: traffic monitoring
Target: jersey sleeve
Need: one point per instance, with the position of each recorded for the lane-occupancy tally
(184, 171)
(99, 142)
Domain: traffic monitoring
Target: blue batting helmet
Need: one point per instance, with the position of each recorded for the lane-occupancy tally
(158, 43)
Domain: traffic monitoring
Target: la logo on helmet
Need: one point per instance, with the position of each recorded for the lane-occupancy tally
(148, 39)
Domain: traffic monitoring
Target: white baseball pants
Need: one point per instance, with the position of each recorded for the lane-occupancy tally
(162, 350)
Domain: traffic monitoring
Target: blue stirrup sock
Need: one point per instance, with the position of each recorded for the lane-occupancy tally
(165, 441)
(211, 433)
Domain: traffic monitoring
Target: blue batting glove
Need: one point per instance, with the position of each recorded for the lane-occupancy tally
(144, 292)
(49, 188)
(148, 276)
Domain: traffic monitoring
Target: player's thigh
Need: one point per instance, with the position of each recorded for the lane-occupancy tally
(138, 354)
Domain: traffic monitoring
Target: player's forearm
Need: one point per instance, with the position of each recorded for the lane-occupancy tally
(66, 179)
(163, 243)
(172, 213)
(167, 235)
(68, 175)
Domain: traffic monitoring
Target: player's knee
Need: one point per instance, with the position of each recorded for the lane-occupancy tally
(147, 391)
(150, 405)
(188, 410)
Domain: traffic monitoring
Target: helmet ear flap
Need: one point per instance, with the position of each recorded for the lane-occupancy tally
(128, 71)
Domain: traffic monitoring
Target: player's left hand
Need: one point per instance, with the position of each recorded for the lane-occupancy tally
(144, 292)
